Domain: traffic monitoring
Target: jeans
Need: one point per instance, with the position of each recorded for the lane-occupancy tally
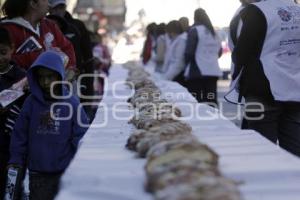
(43, 186)
(280, 123)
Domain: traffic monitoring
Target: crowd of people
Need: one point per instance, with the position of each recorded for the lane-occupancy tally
(264, 38)
(175, 47)
(43, 53)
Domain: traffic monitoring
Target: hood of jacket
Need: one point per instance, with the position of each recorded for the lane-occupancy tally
(51, 60)
(20, 21)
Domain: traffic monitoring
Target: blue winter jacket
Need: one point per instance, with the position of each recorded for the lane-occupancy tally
(43, 143)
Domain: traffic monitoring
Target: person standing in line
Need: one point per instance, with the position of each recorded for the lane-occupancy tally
(25, 20)
(175, 62)
(236, 23)
(48, 130)
(268, 50)
(59, 8)
(234, 32)
(10, 74)
(184, 21)
(202, 51)
(86, 65)
(161, 47)
(149, 44)
(235, 28)
(101, 52)
(71, 33)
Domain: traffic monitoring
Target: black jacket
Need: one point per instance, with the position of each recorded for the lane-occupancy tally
(10, 113)
(85, 41)
(247, 54)
(189, 54)
(72, 34)
(87, 66)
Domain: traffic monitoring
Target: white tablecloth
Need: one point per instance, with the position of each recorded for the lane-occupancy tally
(104, 169)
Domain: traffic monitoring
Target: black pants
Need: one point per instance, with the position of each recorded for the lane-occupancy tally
(280, 122)
(87, 89)
(43, 186)
(204, 89)
(3, 173)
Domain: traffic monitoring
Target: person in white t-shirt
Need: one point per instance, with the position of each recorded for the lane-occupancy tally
(175, 62)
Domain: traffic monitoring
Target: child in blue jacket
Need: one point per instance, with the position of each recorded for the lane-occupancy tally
(42, 138)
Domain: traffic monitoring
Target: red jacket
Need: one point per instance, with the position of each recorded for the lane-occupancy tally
(50, 37)
(147, 49)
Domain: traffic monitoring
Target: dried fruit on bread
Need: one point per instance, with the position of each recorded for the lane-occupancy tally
(166, 146)
(200, 154)
(135, 138)
(183, 164)
(205, 188)
(166, 128)
(172, 127)
(147, 122)
(150, 140)
(175, 176)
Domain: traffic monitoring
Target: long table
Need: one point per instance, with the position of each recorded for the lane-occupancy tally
(104, 169)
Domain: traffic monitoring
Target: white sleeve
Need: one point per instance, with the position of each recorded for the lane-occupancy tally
(177, 57)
